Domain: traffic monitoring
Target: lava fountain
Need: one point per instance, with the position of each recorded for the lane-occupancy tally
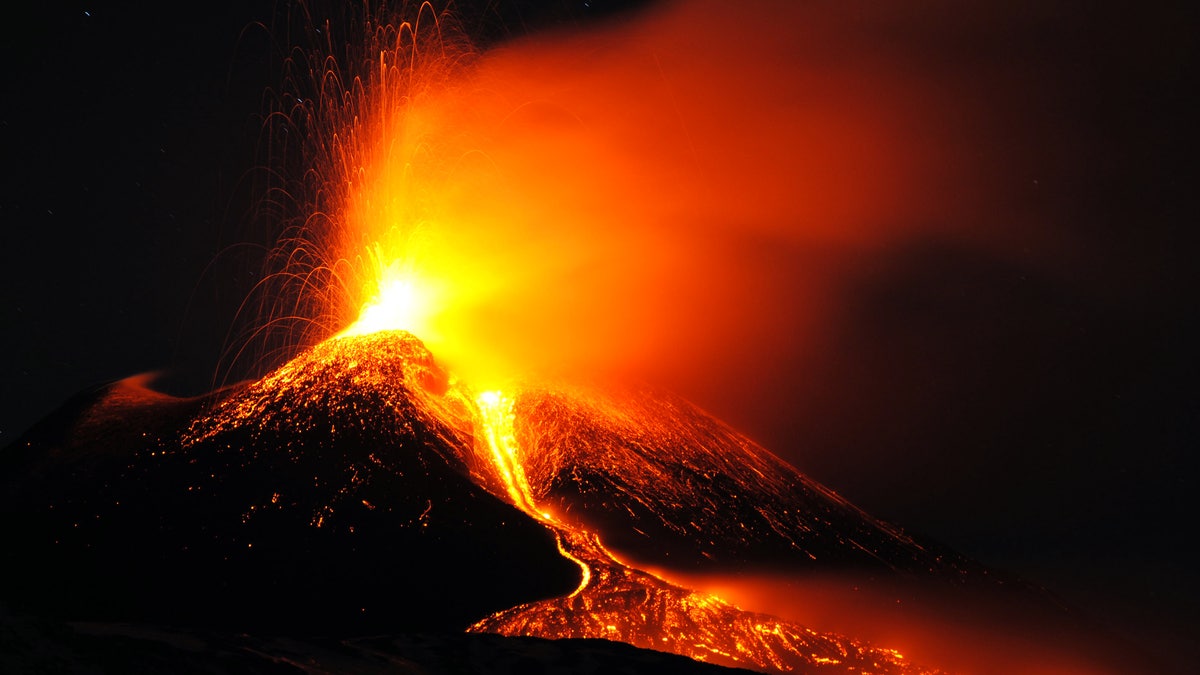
(629, 201)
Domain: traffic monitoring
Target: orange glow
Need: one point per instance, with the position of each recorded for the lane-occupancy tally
(960, 630)
(402, 300)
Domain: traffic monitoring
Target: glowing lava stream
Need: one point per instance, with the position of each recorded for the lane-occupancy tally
(497, 418)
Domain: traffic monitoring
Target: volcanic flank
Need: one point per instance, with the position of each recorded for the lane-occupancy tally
(326, 497)
(361, 488)
(670, 485)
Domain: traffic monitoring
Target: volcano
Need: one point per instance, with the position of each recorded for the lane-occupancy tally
(361, 489)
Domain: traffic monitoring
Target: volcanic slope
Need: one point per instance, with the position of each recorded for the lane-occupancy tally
(669, 485)
(329, 497)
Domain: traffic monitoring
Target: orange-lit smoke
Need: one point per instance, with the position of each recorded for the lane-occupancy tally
(674, 194)
(958, 629)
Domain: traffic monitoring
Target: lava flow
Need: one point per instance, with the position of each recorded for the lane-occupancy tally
(617, 602)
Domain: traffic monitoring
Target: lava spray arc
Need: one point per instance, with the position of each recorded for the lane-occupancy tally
(357, 160)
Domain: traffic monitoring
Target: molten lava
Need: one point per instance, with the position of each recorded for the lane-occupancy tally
(618, 602)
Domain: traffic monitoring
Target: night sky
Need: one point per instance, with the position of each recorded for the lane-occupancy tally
(1037, 412)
